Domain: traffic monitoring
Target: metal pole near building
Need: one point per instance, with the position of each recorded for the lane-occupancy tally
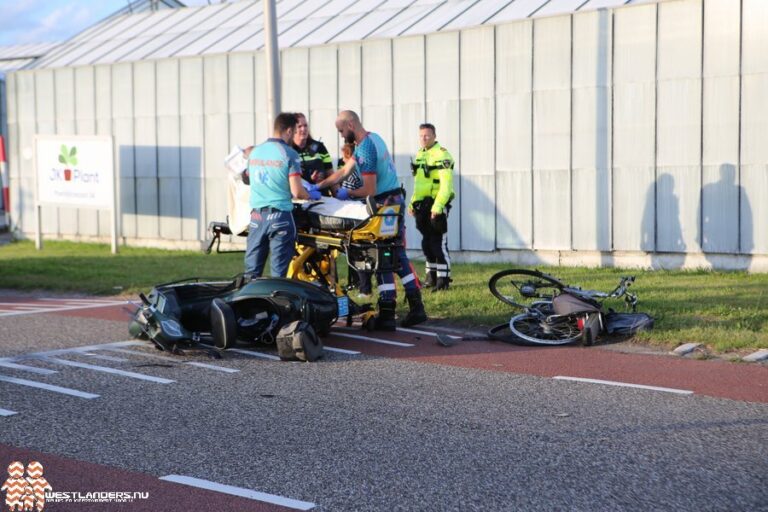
(273, 61)
(4, 184)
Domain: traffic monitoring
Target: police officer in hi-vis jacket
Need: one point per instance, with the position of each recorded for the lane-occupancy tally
(430, 203)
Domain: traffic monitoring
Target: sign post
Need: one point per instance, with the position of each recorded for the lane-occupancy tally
(75, 171)
(4, 182)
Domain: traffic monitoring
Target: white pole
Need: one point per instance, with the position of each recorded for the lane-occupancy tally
(115, 203)
(273, 61)
(38, 215)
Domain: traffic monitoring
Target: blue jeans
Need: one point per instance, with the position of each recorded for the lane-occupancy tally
(270, 231)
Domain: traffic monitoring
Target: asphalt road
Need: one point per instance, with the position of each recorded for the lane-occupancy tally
(478, 426)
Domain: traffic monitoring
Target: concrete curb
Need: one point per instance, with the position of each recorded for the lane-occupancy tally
(686, 349)
(760, 355)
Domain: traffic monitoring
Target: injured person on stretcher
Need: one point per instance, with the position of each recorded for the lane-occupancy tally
(366, 233)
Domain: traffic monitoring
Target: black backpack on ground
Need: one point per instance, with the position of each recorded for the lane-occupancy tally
(297, 341)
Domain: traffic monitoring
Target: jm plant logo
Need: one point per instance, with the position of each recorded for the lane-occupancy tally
(70, 172)
(25, 493)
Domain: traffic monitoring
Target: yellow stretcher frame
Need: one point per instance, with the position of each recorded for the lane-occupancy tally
(370, 245)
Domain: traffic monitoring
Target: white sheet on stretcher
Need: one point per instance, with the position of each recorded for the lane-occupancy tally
(332, 207)
(239, 196)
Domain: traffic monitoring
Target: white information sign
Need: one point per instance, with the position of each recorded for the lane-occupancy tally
(75, 171)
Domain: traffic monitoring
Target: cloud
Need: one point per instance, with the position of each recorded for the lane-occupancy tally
(38, 21)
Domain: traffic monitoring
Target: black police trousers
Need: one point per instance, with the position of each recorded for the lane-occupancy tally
(434, 240)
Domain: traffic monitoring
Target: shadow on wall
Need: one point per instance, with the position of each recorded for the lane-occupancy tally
(725, 218)
(162, 192)
(661, 202)
(487, 224)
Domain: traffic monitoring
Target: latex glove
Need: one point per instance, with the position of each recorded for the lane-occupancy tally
(314, 195)
(343, 194)
(311, 187)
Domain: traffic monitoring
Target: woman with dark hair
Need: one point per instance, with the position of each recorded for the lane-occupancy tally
(316, 162)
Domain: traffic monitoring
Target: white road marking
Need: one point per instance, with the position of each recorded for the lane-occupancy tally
(28, 305)
(6, 412)
(48, 387)
(253, 353)
(341, 350)
(141, 354)
(61, 308)
(105, 369)
(31, 369)
(212, 367)
(85, 348)
(89, 300)
(425, 333)
(106, 358)
(174, 360)
(239, 491)
(626, 385)
(374, 340)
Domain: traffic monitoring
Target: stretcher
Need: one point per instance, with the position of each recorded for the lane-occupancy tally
(364, 232)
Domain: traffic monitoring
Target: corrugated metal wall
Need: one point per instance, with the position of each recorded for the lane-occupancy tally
(639, 129)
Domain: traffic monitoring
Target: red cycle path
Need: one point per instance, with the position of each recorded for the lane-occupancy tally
(70, 475)
(748, 382)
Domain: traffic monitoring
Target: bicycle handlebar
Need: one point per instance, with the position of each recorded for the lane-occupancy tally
(617, 292)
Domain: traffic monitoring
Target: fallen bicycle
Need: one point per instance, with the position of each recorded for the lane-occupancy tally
(551, 312)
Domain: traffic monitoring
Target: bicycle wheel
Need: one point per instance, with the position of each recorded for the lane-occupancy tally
(521, 288)
(545, 330)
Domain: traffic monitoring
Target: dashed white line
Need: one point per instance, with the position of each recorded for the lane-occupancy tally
(425, 333)
(239, 491)
(106, 358)
(625, 384)
(59, 309)
(341, 350)
(85, 348)
(212, 367)
(105, 369)
(31, 369)
(253, 353)
(89, 300)
(140, 354)
(373, 340)
(48, 387)
(6, 412)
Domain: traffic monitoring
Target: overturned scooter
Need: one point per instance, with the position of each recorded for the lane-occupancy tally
(209, 315)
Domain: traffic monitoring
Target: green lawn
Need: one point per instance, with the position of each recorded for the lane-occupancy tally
(728, 311)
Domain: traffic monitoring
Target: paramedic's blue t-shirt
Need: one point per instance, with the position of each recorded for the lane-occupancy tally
(269, 166)
(372, 157)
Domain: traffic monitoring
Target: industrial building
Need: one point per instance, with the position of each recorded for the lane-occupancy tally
(605, 132)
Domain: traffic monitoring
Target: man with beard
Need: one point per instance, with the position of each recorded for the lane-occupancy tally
(377, 170)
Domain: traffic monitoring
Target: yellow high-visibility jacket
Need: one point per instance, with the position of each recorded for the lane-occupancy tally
(433, 176)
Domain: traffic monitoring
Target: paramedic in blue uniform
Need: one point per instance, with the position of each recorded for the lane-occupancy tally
(274, 171)
(377, 170)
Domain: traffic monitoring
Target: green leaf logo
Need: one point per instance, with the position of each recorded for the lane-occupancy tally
(68, 156)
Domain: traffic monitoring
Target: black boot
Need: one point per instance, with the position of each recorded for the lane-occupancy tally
(385, 319)
(441, 284)
(416, 313)
(431, 279)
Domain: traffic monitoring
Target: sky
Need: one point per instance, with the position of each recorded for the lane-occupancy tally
(48, 21)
